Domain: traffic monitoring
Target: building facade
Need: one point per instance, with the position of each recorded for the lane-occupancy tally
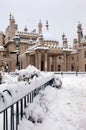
(41, 49)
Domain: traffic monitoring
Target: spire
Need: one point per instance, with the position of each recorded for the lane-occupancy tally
(65, 41)
(63, 36)
(75, 44)
(79, 27)
(79, 32)
(10, 16)
(40, 27)
(47, 25)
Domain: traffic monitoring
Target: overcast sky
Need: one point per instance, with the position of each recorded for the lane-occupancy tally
(63, 15)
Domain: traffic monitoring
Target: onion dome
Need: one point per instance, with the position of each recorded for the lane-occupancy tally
(49, 37)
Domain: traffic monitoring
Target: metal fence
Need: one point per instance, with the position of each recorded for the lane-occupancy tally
(70, 73)
(12, 115)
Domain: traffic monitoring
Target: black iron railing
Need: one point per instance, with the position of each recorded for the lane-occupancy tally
(13, 114)
(70, 73)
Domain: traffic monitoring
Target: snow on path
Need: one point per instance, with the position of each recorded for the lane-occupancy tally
(66, 107)
(76, 99)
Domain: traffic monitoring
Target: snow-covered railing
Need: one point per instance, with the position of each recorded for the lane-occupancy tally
(70, 73)
(15, 108)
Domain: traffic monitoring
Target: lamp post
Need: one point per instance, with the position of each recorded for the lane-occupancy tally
(16, 39)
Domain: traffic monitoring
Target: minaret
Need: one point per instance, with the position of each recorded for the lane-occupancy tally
(79, 32)
(40, 27)
(13, 26)
(47, 25)
(65, 41)
(11, 29)
(75, 44)
(12, 20)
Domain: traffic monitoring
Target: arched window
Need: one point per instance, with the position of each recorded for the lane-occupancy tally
(42, 65)
(51, 67)
(72, 67)
(59, 67)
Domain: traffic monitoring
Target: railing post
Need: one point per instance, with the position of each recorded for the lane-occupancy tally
(17, 115)
(28, 98)
(25, 102)
(12, 118)
(32, 95)
(6, 119)
(21, 107)
(35, 92)
(4, 122)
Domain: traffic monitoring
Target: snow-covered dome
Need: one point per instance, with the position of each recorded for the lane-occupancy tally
(49, 37)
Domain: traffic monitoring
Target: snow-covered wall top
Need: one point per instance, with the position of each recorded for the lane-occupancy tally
(1, 48)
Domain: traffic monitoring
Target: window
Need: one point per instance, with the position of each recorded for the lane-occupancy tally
(59, 57)
(72, 67)
(51, 67)
(59, 67)
(84, 54)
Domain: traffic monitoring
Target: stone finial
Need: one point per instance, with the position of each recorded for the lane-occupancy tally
(40, 27)
(63, 36)
(79, 27)
(47, 25)
(75, 44)
(25, 29)
(10, 16)
(79, 33)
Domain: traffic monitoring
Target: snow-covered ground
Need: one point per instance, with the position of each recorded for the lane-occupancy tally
(52, 109)
(59, 109)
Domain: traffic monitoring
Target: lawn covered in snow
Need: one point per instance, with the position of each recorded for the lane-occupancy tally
(59, 109)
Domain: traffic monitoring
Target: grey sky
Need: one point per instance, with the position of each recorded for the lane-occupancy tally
(63, 15)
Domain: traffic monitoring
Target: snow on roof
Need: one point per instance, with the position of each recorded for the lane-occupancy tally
(42, 47)
(74, 52)
(67, 49)
(1, 48)
(31, 48)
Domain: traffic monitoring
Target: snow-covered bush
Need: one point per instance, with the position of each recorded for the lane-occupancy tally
(57, 82)
(42, 104)
(37, 110)
(28, 73)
